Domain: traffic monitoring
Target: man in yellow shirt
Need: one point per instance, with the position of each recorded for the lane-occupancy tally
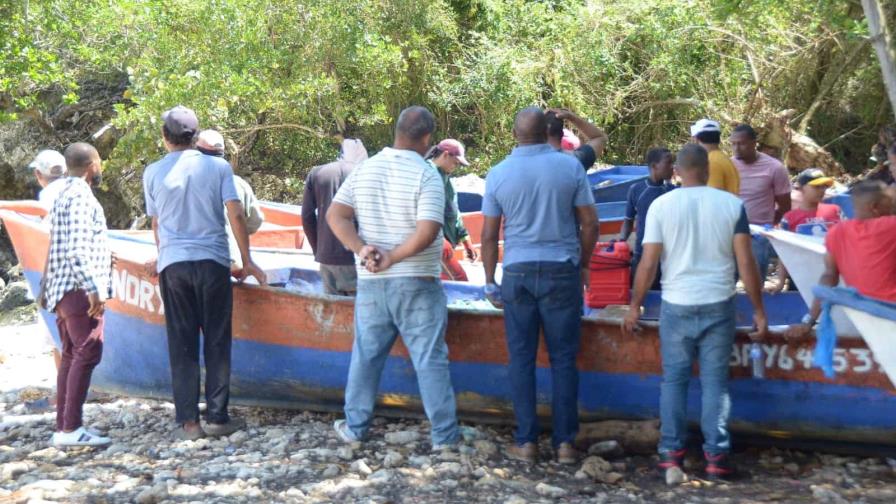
(722, 173)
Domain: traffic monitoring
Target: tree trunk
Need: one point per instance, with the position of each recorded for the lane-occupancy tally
(880, 37)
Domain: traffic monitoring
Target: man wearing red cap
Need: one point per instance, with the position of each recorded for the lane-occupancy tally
(561, 138)
(446, 157)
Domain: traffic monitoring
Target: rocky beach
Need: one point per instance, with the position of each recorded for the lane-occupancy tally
(295, 456)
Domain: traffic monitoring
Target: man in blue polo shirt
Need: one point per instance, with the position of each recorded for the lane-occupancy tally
(185, 191)
(641, 195)
(550, 228)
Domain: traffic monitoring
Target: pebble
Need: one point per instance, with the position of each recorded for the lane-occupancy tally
(360, 466)
(13, 470)
(345, 453)
(402, 437)
(549, 491)
(606, 449)
(153, 494)
(420, 461)
(331, 471)
(825, 495)
(381, 476)
(675, 476)
(485, 447)
(393, 459)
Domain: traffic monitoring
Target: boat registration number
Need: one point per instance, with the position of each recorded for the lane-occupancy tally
(786, 358)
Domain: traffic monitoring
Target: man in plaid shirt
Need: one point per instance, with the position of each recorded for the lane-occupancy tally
(76, 283)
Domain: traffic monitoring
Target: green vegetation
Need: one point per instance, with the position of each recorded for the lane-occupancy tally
(283, 77)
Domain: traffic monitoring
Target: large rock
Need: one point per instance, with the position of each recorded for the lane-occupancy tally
(600, 470)
(549, 491)
(13, 470)
(15, 295)
(634, 436)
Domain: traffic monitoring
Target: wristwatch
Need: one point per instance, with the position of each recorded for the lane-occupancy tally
(808, 320)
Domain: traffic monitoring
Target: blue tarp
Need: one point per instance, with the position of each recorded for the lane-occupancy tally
(827, 334)
(849, 297)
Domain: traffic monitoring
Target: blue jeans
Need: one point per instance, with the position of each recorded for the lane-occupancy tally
(417, 308)
(763, 252)
(706, 333)
(548, 296)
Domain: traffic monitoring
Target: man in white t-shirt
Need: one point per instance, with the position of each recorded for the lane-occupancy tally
(398, 202)
(699, 233)
(49, 170)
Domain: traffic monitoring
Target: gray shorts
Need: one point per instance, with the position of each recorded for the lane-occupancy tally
(339, 280)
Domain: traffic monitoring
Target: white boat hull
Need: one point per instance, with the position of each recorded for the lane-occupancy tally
(803, 256)
(878, 334)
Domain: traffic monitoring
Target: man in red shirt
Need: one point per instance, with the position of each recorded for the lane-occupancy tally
(862, 251)
(812, 184)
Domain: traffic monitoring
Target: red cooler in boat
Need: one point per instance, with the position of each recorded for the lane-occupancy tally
(610, 275)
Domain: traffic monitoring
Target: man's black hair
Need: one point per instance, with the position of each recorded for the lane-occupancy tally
(867, 190)
(433, 152)
(710, 137)
(555, 125)
(210, 152)
(656, 154)
(692, 157)
(745, 128)
(185, 139)
(78, 157)
(414, 123)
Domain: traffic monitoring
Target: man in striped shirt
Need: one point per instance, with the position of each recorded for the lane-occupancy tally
(398, 202)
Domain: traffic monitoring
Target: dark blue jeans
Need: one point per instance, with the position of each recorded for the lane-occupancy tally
(543, 296)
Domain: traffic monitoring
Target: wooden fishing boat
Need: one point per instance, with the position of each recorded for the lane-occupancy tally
(875, 320)
(292, 349)
(612, 184)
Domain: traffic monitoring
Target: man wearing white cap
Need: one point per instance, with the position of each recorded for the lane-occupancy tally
(49, 169)
(211, 143)
(722, 173)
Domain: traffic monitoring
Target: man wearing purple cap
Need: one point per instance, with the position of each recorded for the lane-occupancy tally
(446, 157)
(184, 192)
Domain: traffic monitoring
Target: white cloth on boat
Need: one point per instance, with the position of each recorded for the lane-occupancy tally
(696, 227)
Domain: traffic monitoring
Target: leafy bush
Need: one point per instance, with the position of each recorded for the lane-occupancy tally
(283, 78)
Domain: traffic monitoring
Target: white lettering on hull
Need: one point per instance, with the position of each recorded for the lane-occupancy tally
(854, 360)
(136, 291)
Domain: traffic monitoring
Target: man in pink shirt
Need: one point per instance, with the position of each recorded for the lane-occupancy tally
(764, 188)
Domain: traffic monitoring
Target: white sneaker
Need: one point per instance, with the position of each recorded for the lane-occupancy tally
(79, 437)
(344, 433)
